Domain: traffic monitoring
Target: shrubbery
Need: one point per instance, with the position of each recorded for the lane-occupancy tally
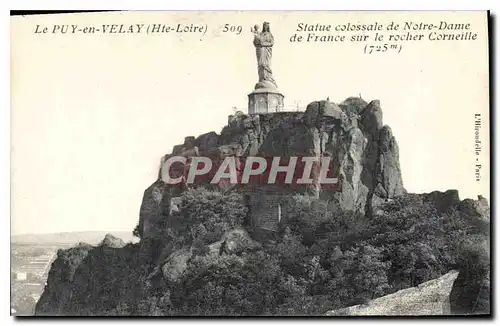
(209, 214)
(322, 259)
(204, 216)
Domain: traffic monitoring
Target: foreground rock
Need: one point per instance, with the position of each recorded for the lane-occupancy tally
(429, 298)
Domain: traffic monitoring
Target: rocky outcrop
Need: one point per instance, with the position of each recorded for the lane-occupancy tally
(115, 277)
(388, 174)
(60, 282)
(381, 169)
(476, 211)
(478, 208)
(444, 201)
(353, 106)
(88, 280)
(364, 154)
(176, 264)
(206, 143)
(362, 149)
(429, 298)
(155, 207)
(350, 149)
(232, 242)
(111, 241)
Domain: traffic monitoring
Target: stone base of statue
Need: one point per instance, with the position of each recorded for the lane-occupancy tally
(265, 98)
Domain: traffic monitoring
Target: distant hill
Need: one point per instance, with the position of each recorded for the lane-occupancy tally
(90, 237)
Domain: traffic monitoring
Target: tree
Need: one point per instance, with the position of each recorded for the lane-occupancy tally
(229, 285)
(290, 251)
(137, 232)
(358, 274)
(207, 215)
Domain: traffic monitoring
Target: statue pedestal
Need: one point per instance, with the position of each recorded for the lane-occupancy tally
(265, 100)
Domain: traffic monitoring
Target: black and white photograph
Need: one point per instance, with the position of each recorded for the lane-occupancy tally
(328, 164)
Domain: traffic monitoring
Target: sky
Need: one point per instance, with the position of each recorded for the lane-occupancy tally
(92, 114)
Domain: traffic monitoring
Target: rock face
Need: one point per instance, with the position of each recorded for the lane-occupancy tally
(155, 206)
(234, 241)
(111, 241)
(176, 264)
(88, 280)
(478, 208)
(363, 150)
(381, 170)
(443, 201)
(60, 282)
(429, 298)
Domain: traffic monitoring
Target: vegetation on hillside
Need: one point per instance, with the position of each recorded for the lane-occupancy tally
(321, 259)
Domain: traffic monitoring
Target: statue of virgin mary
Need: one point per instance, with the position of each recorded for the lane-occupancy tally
(263, 42)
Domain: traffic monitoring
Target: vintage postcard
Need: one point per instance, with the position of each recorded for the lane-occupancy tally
(250, 163)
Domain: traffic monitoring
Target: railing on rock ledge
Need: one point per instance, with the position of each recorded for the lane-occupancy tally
(286, 108)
